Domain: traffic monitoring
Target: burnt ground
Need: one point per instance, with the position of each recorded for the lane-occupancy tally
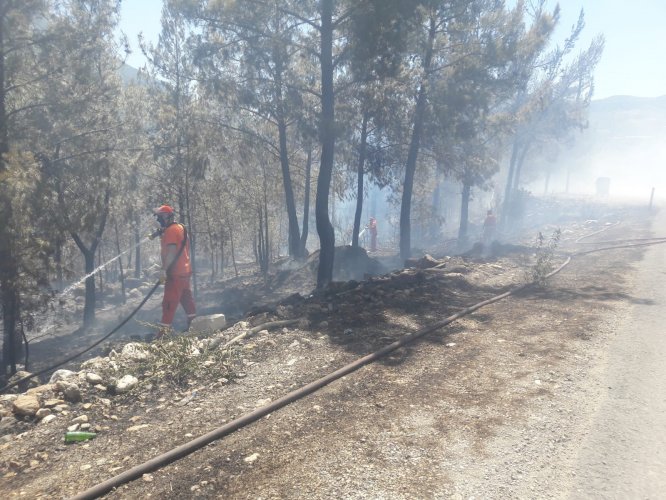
(480, 407)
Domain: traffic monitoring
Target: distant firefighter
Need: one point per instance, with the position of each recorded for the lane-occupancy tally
(489, 227)
(372, 229)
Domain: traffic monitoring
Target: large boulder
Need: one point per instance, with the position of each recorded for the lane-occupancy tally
(353, 263)
(70, 391)
(211, 323)
(60, 375)
(26, 405)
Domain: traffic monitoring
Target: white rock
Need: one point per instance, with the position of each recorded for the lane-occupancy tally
(135, 352)
(251, 459)
(42, 413)
(135, 428)
(81, 419)
(61, 375)
(210, 323)
(48, 418)
(93, 378)
(126, 384)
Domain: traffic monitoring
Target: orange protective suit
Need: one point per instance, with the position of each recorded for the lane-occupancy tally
(177, 288)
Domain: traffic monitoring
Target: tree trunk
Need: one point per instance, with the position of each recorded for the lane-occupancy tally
(506, 205)
(327, 134)
(412, 155)
(57, 259)
(294, 231)
(89, 306)
(306, 203)
(100, 259)
(120, 263)
(8, 265)
(191, 234)
(233, 250)
(89, 257)
(220, 262)
(137, 252)
(267, 241)
(359, 180)
(519, 168)
(464, 214)
(211, 240)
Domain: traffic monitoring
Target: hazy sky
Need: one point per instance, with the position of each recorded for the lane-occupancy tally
(632, 64)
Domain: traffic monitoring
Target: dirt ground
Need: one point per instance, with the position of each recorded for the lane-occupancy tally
(496, 405)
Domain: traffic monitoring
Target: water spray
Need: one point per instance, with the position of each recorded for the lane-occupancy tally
(49, 319)
(114, 330)
(102, 266)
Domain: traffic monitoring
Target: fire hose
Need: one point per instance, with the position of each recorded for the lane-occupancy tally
(236, 424)
(95, 344)
(114, 330)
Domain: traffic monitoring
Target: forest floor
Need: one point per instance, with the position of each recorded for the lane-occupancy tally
(495, 405)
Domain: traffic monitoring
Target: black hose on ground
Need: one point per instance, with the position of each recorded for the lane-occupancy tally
(198, 443)
(597, 232)
(74, 356)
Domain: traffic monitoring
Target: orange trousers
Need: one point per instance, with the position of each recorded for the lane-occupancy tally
(177, 291)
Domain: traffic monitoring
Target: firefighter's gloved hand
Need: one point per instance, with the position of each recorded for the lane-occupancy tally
(163, 277)
(155, 234)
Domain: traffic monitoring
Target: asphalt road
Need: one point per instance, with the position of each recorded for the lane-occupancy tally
(624, 453)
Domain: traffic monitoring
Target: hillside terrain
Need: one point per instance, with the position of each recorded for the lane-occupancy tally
(489, 406)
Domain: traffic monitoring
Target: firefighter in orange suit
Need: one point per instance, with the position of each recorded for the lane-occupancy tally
(176, 268)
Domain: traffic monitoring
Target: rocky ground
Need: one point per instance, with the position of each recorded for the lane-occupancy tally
(488, 407)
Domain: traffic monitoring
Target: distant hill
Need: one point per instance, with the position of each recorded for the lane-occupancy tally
(626, 116)
(128, 73)
(626, 141)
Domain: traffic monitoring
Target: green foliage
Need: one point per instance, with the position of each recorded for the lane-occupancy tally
(180, 359)
(545, 253)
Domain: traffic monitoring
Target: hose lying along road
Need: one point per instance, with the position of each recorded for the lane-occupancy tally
(74, 356)
(198, 443)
